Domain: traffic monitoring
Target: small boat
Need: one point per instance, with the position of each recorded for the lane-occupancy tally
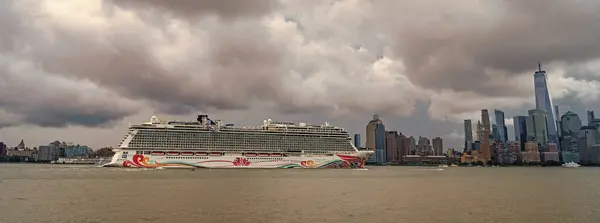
(201, 154)
(250, 154)
(172, 153)
(276, 154)
(453, 165)
(571, 165)
(263, 154)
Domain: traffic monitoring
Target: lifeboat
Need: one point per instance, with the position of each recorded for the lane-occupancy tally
(216, 154)
(201, 154)
(251, 154)
(263, 154)
(187, 153)
(171, 153)
(276, 154)
(158, 153)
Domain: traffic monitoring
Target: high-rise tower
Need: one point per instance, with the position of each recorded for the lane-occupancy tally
(543, 101)
(468, 133)
(485, 152)
(502, 131)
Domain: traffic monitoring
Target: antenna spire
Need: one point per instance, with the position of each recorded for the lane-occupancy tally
(539, 66)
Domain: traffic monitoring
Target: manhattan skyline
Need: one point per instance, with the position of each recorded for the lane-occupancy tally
(88, 69)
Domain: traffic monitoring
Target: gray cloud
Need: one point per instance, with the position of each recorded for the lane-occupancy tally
(452, 49)
(227, 9)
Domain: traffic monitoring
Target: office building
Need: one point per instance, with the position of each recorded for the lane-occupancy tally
(538, 122)
(3, 149)
(495, 133)
(392, 147)
(531, 153)
(569, 131)
(588, 142)
(543, 101)
(48, 153)
(520, 125)
(551, 154)
(590, 117)
(468, 133)
(357, 140)
(73, 151)
(479, 131)
(501, 126)
(409, 146)
(438, 146)
(485, 153)
(376, 140)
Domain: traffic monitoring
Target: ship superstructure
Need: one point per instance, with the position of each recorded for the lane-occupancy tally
(210, 143)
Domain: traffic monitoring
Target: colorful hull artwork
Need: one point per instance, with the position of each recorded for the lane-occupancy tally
(355, 160)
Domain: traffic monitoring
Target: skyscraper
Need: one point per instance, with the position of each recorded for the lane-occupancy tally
(590, 117)
(357, 140)
(376, 139)
(484, 151)
(520, 124)
(468, 133)
(438, 146)
(495, 133)
(539, 124)
(479, 131)
(501, 124)
(543, 101)
(570, 126)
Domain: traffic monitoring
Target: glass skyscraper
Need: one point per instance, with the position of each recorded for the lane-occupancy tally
(520, 124)
(357, 140)
(570, 126)
(543, 101)
(539, 126)
(468, 133)
(501, 125)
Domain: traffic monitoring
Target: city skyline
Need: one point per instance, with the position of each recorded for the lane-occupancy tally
(291, 61)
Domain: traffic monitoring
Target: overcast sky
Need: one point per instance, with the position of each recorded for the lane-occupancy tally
(80, 71)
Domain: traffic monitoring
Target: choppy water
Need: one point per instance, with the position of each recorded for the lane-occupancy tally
(64, 193)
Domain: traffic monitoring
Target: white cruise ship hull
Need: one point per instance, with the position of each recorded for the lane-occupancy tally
(195, 159)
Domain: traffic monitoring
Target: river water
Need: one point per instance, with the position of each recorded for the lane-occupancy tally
(84, 194)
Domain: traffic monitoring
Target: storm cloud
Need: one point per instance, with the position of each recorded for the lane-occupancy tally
(480, 46)
(96, 62)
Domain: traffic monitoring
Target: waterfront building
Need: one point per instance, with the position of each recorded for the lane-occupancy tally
(520, 125)
(48, 153)
(476, 145)
(590, 117)
(485, 152)
(380, 150)
(531, 153)
(424, 147)
(468, 128)
(479, 131)
(376, 140)
(72, 151)
(392, 147)
(551, 153)
(438, 146)
(501, 126)
(21, 145)
(357, 140)
(514, 150)
(538, 122)
(588, 142)
(570, 125)
(3, 149)
(495, 133)
(543, 101)
(409, 146)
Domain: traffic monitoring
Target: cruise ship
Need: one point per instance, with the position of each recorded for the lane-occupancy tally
(205, 143)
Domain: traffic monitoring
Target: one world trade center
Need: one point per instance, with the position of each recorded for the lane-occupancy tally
(543, 101)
